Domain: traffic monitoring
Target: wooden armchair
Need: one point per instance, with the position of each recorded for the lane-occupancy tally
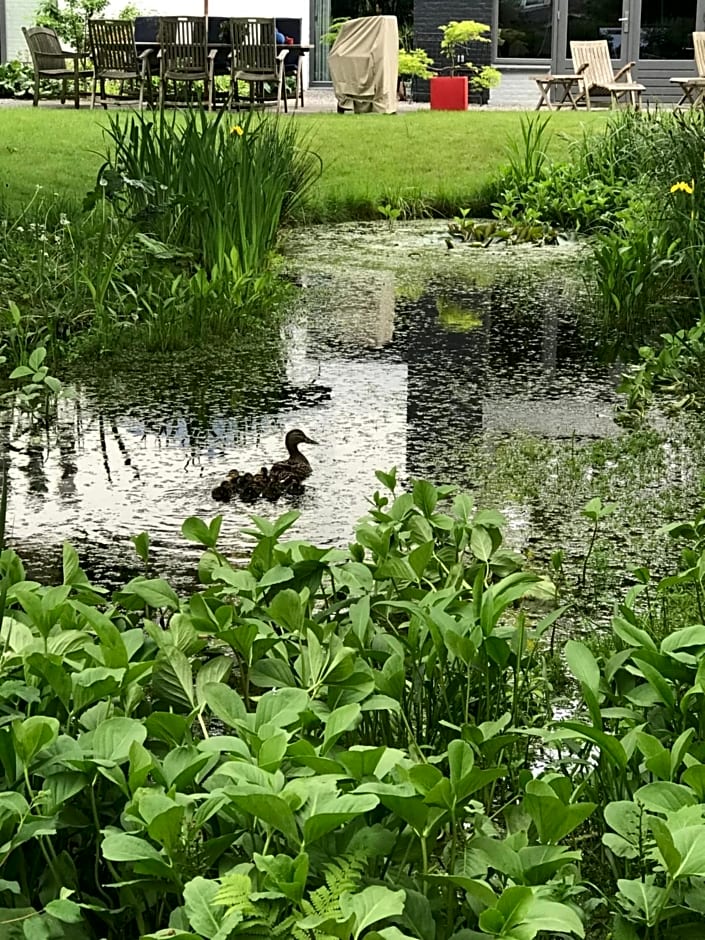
(115, 57)
(255, 59)
(184, 55)
(49, 61)
(592, 61)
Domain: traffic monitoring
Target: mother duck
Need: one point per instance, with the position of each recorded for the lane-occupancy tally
(283, 477)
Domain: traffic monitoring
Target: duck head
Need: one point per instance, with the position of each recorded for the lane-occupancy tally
(296, 437)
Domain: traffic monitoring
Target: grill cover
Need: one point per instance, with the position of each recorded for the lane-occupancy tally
(363, 64)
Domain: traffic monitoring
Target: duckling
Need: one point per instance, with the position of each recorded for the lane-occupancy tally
(283, 477)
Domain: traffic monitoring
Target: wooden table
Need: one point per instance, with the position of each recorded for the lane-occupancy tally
(692, 91)
(563, 83)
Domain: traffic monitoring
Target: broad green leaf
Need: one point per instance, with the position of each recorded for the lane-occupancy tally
(32, 735)
(65, 910)
(327, 811)
(339, 721)
(554, 917)
(196, 530)
(155, 592)
(215, 670)
(281, 707)
(199, 903)
(425, 496)
(287, 609)
(646, 899)
(113, 738)
(121, 847)
(173, 679)
(225, 704)
(481, 543)
(664, 796)
(370, 906)
(267, 808)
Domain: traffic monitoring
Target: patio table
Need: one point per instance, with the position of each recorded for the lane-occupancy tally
(564, 83)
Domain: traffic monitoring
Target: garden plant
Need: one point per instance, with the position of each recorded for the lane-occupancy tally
(391, 740)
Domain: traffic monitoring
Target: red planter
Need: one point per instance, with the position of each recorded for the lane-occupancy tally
(449, 93)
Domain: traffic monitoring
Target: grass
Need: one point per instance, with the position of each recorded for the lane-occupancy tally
(432, 159)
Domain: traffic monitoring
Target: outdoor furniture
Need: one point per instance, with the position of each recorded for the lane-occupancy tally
(562, 84)
(184, 55)
(293, 65)
(115, 57)
(49, 61)
(592, 61)
(693, 87)
(364, 65)
(255, 59)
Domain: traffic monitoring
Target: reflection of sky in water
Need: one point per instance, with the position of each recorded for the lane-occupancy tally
(140, 448)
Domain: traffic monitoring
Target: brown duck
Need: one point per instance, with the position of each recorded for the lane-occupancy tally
(282, 478)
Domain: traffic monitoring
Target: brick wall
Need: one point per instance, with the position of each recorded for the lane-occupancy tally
(430, 14)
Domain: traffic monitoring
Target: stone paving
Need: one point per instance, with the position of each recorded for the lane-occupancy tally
(514, 93)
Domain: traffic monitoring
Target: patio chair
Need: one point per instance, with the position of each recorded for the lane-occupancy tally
(255, 60)
(693, 87)
(592, 61)
(294, 63)
(184, 55)
(49, 61)
(115, 58)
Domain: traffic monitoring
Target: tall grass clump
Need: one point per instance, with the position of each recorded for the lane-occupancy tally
(213, 189)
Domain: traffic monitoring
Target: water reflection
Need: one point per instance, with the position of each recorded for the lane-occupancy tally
(376, 379)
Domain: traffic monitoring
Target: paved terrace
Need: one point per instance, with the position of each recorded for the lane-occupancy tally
(516, 93)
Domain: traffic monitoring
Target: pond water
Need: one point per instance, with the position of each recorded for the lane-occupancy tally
(396, 351)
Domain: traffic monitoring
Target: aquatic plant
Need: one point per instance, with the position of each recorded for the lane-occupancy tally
(338, 742)
(200, 185)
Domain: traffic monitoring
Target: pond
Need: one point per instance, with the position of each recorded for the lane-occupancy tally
(396, 351)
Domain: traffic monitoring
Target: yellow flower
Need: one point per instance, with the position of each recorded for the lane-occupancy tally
(682, 186)
(237, 130)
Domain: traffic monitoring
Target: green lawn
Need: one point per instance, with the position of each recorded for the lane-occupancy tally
(442, 158)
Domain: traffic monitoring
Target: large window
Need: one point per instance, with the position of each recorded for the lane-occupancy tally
(666, 29)
(524, 29)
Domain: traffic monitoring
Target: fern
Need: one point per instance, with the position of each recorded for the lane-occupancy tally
(344, 874)
(234, 893)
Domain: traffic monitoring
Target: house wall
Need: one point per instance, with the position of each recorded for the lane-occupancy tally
(430, 14)
(18, 13)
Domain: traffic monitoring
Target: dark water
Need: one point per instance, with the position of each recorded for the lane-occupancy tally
(397, 352)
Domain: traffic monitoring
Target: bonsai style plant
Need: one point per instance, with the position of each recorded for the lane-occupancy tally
(457, 36)
(413, 63)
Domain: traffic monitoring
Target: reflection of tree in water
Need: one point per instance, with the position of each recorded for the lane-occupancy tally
(207, 400)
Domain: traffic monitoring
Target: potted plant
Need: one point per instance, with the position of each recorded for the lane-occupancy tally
(450, 92)
(413, 63)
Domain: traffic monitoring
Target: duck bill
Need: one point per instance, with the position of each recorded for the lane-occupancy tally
(309, 440)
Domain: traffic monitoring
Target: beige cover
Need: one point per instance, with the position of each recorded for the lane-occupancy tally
(363, 64)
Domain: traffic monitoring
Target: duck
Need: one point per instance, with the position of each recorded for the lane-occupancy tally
(282, 478)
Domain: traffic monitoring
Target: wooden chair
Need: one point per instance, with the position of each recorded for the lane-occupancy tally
(184, 55)
(294, 63)
(592, 61)
(115, 57)
(693, 87)
(254, 59)
(49, 61)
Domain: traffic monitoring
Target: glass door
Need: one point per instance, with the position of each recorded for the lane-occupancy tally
(320, 24)
(612, 20)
